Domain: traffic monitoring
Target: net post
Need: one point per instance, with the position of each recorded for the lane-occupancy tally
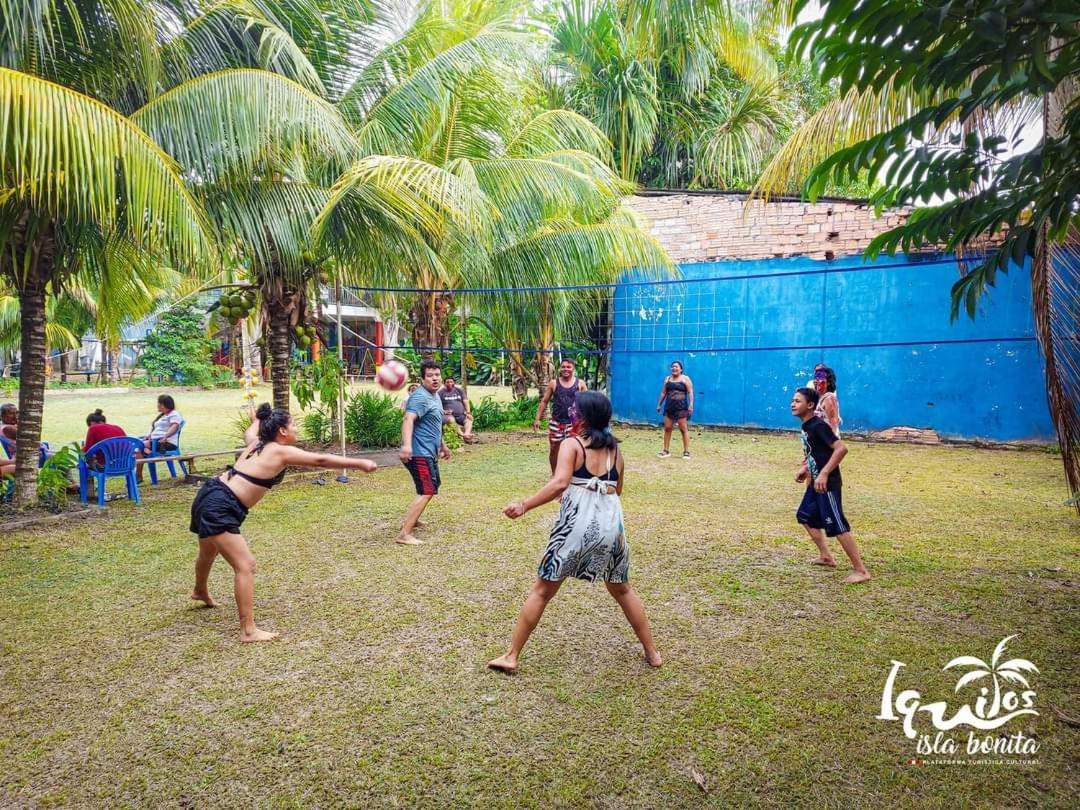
(464, 345)
(343, 477)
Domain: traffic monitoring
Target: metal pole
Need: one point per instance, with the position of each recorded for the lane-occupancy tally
(343, 478)
(464, 344)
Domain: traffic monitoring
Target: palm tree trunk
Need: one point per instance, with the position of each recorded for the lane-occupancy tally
(63, 366)
(430, 316)
(279, 345)
(32, 374)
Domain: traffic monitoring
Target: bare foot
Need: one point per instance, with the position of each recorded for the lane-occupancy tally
(409, 540)
(205, 598)
(258, 635)
(828, 562)
(857, 577)
(504, 664)
(654, 659)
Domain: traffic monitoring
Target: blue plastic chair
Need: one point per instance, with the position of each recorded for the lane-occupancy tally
(175, 440)
(119, 454)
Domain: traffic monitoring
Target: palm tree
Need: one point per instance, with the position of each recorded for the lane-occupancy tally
(687, 91)
(75, 165)
(1010, 671)
(449, 93)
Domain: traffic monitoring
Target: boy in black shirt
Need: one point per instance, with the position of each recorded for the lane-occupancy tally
(821, 511)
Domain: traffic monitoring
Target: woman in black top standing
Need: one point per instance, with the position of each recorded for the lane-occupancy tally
(677, 397)
(223, 502)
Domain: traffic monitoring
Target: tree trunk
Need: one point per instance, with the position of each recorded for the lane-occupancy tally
(63, 367)
(543, 363)
(430, 316)
(32, 375)
(519, 376)
(279, 344)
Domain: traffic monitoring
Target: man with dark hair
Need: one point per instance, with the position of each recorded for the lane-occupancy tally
(821, 511)
(421, 445)
(562, 392)
(456, 406)
(9, 420)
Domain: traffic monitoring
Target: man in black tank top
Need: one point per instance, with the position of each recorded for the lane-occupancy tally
(562, 393)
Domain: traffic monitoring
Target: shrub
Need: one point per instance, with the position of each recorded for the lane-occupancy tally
(373, 419)
(451, 437)
(53, 481)
(178, 349)
(318, 426)
(491, 415)
(224, 377)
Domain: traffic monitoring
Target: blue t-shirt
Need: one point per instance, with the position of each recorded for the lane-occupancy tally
(427, 430)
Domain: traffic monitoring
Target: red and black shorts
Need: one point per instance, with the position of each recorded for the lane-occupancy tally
(559, 431)
(425, 474)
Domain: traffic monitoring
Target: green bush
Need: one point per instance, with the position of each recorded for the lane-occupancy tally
(451, 437)
(491, 415)
(177, 349)
(224, 377)
(373, 419)
(53, 480)
(318, 426)
(9, 385)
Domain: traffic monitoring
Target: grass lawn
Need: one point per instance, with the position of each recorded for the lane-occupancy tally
(116, 691)
(209, 414)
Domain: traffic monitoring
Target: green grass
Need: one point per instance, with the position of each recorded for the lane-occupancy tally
(208, 414)
(115, 691)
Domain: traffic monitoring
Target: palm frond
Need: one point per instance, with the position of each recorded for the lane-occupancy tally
(232, 121)
(61, 152)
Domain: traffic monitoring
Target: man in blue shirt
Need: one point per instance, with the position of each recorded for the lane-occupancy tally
(421, 444)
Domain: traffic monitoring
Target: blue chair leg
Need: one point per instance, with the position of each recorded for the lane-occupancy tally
(133, 488)
(83, 475)
(100, 490)
(153, 473)
(183, 468)
(172, 469)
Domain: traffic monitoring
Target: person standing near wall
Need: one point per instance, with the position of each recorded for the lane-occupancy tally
(562, 393)
(828, 407)
(677, 395)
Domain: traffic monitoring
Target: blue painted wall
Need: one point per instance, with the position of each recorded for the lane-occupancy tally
(884, 328)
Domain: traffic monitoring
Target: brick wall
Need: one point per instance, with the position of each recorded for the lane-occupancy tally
(713, 227)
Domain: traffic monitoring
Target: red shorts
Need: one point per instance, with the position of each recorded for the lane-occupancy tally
(559, 431)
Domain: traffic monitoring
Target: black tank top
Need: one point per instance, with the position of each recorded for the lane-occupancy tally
(562, 405)
(676, 391)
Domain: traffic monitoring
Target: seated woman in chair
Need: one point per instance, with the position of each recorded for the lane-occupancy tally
(164, 428)
(97, 430)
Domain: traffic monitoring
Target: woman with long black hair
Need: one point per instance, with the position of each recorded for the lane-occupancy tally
(587, 540)
(222, 504)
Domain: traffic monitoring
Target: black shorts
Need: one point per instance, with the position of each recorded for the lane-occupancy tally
(216, 510)
(163, 446)
(823, 510)
(679, 411)
(425, 474)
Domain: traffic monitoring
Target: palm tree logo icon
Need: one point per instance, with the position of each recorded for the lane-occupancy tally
(1011, 671)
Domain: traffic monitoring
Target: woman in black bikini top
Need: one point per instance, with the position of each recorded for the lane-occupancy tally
(222, 504)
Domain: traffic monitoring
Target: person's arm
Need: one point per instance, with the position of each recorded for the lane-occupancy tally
(804, 471)
(405, 453)
(444, 450)
(549, 389)
(663, 393)
(564, 471)
(622, 472)
(832, 413)
(465, 404)
(295, 457)
(251, 435)
(172, 429)
(839, 450)
(86, 442)
(581, 386)
(689, 395)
